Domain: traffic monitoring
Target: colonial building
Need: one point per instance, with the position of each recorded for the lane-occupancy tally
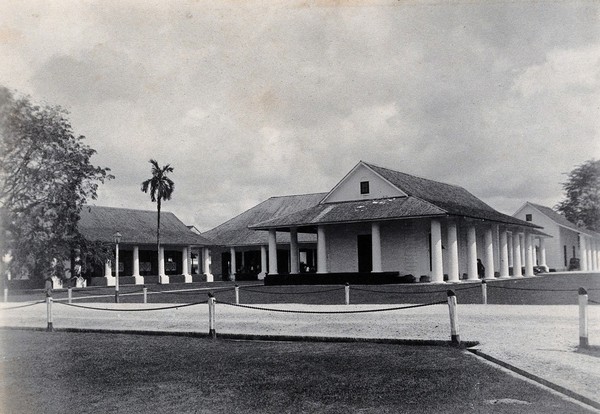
(241, 253)
(568, 241)
(139, 259)
(377, 220)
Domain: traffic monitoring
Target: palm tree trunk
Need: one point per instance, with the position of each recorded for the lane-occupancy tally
(158, 237)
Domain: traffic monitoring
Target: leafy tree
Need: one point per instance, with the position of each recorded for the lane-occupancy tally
(45, 179)
(582, 196)
(161, 188)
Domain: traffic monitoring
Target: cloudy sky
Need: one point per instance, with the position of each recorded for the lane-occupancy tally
(248, 100)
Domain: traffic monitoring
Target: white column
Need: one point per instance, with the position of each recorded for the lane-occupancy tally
(437, 264)
(263, 263)
(139, 280)
(517, 255)
(376, 247)
(162, 277)
(136, 261)
(272, 252)
(489, 253)
(294, 258)
(595, 256)
(453, 274)
(582, 253)
(543, 253)
(528, 255)
(511, 253)
(185, 264)
(321, 250)
(523, 249)
(206, 259)
(472, 254)
(503, 253)
(233, 263)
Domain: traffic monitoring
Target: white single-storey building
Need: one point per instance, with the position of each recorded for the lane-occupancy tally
(139, 259)
(568, 241)
(378, 220)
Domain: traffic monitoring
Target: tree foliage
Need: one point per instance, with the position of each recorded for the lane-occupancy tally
(45, 179)
(582, 196)
(161, 188)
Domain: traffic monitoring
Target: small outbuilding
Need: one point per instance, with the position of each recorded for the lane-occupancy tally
(571, 247)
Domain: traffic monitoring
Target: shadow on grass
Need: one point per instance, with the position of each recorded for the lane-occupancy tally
(90, 373)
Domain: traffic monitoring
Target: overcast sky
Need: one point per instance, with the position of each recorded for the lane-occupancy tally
(252, 100)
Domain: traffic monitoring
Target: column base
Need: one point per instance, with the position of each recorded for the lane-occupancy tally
(187, 278)
(163, 279)
(138, 280)
(209, 277)
(261, 276)
(110, 280)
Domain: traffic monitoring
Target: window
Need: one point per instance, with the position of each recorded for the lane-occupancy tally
(528, 217)
(565, 254)
(364, 187)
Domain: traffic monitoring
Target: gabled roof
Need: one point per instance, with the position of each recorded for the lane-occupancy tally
(425, 198)
(235, 232)
(560, 219)
(99, 223)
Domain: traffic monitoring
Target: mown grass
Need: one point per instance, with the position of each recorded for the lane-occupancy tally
(101, 373)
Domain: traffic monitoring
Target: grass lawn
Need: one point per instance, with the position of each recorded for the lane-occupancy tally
(102, 373)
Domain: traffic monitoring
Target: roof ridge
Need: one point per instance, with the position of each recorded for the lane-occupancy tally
(127, 208)
(413, 176)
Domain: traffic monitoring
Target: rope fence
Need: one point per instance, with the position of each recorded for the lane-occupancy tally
(24, 306)
(185, 305)
(291, 293)
(331, 312)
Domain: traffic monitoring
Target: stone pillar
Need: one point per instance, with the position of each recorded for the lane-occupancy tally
(472, 254)
(523, 248)
(489, 253)
(376, 247)
(294, 257)
(162, 277)
(206, 260)
(263, 263)
(528, 255)
(107, 269)
(582, 253)
(453, 273)
(517, 255)
(437, 264)
(272, 252)
(233, 263)
(543, 253)
(503, 253)
(185, 264)
(321, 250)
(139, 280)
(509, 242)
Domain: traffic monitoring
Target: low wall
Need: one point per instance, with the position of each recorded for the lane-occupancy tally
(340, 278)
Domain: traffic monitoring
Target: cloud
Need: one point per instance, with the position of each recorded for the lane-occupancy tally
(252, 100)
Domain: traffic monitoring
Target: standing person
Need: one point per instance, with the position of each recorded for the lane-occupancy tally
(480, 269)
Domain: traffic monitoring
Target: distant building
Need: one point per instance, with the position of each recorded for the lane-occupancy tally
(138, 254)
(376, 220)
(568, 241)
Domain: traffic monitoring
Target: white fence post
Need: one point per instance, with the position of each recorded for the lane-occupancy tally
(237, 295)
(347, 291)
(70, 294)
(454, 335)
(5, 294)
(211, 316)
(49, 327)
(145, 290)
(583, 319)
(484, 292)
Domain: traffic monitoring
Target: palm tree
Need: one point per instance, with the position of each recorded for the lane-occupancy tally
(161, 188)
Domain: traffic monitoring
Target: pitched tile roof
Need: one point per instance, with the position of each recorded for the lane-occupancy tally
(136, 226)
(561, 220)
(235, 232)
(426, 198)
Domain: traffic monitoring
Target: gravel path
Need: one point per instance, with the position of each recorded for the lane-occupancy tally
(539, 339)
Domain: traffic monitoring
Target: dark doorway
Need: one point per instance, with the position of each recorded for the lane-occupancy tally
(365, 253)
